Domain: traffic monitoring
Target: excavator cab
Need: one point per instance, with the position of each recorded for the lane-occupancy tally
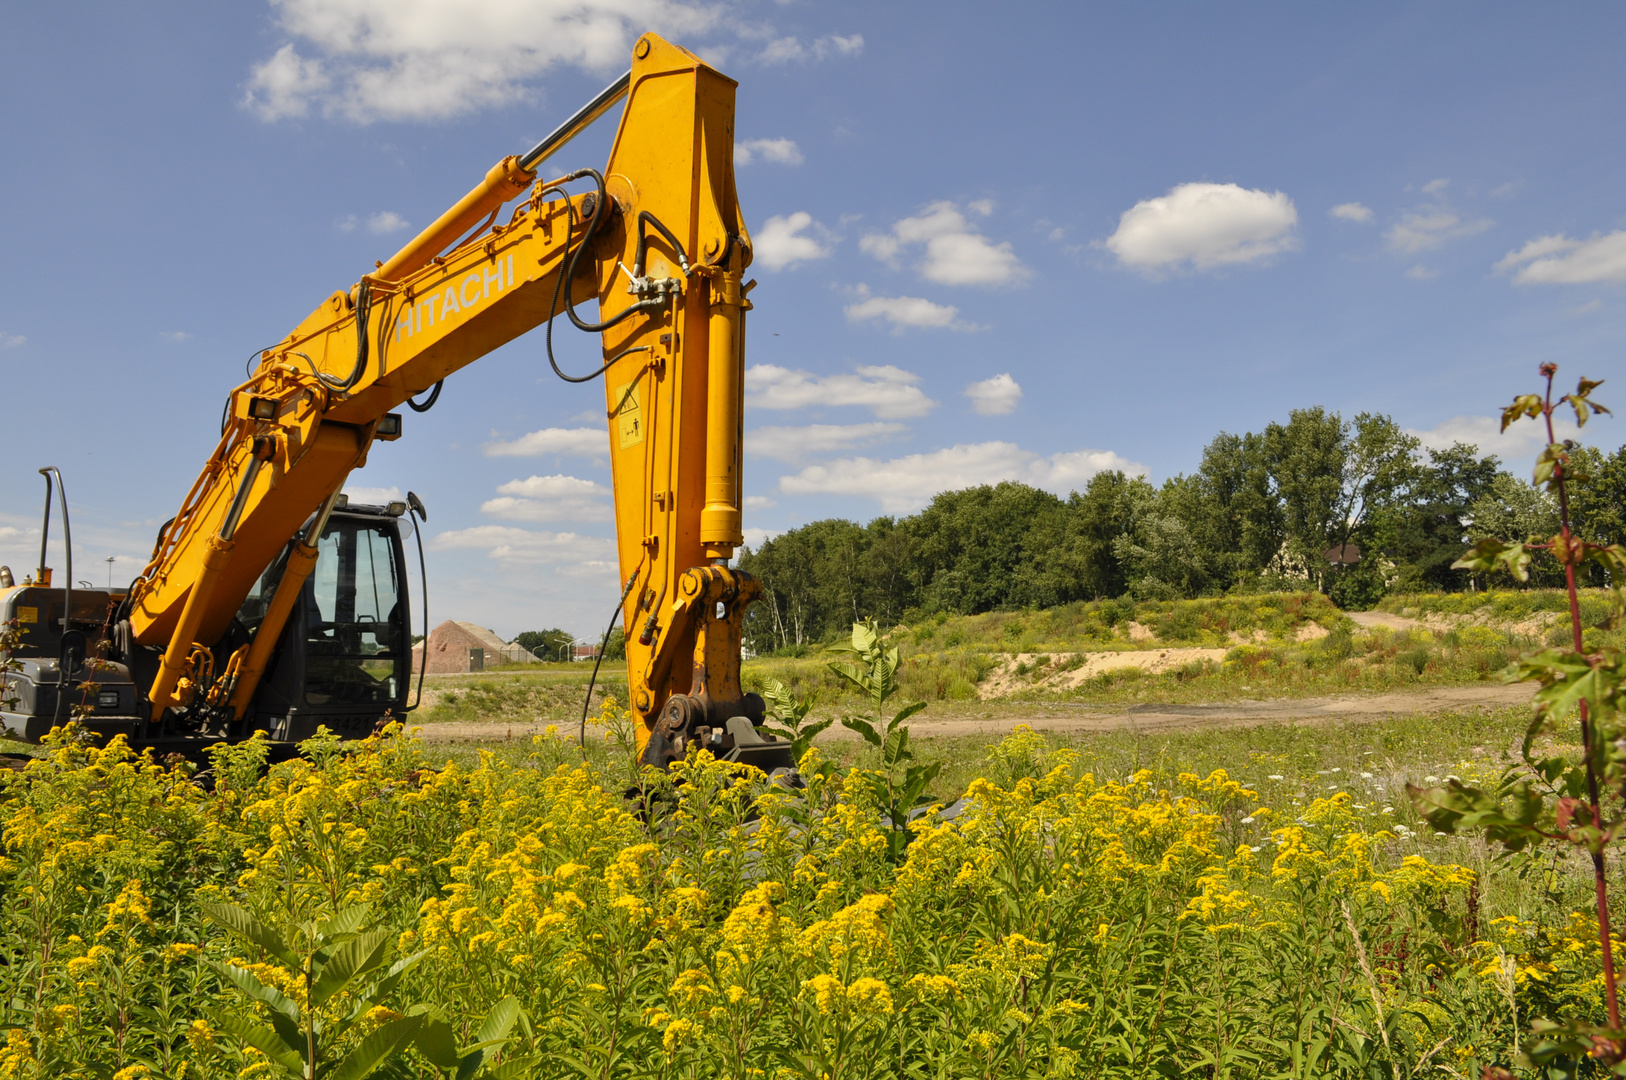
(344, 657)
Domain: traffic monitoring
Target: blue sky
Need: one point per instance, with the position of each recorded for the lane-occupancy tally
(1017, 245)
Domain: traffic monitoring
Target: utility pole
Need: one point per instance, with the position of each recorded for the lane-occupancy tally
(110, 559)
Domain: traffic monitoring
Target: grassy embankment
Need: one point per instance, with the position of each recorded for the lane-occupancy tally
(1229, 648)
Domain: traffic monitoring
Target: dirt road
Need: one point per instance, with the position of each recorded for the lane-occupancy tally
(1146, 718)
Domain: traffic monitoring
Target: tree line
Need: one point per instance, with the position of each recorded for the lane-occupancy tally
(1353, 508)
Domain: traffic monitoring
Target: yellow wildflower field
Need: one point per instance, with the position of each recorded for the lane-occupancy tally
(708, 923)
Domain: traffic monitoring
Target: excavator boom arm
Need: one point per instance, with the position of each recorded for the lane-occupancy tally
(658, 242)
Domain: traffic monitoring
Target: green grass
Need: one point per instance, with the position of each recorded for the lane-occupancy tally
(1504, 605)
(524, 694)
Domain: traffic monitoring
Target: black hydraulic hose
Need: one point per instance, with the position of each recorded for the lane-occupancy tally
(62, 674)
(587, 702)
(434, 396)
(569, 272)
(416, 509)
(364, 295)
(600, 202)
(643, 244)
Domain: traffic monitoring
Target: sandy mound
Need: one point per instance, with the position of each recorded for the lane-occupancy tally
(1004, 680)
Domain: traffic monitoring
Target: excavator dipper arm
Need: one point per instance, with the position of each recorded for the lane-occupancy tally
(659, 242)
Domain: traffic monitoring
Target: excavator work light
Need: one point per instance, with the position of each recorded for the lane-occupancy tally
(262, 408)
(389, 426)
(395, 509)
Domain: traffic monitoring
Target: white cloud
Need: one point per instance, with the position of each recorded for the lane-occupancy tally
(374, 496)
(549, 498)
(890, 392)
(569, 551)
(906, 311)
(996, 396)
(388, 60)
(905, 484)
(1519, 444)
(1207, 225)
(774, 151)
(794, 444)
(1558, 260)
(953, 252)
(784, 241)
(1429, 227)
(1434, 187)
(755, 538)
(284, 85)
(570, 442)
(1587, 308)
(174, 335)
(786, 49)
(1422, 273)
(760, 502)
(12, 341)
(386, 221)
(1351, 211)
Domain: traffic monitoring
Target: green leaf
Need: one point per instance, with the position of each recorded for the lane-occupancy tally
(437, 1042)
(499, 1021)
(377, 1048)
(265, 1040)
(862, 727)
(518, 1069)
(395, 973)
(249, 983)
(355, 957)
(1524, 405)
(246, 926)
(907, 711)
(1488, 554)
(348, 921)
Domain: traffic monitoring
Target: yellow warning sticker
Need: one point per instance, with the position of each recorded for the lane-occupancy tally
(629, 418)
(28, 614)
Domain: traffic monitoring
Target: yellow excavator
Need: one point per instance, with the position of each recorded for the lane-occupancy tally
(272, 604)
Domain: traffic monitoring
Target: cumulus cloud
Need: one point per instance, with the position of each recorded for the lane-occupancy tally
(285, 85)
(1430, 227)
(1517, 445)
(785, 50)
(786, 240)
(905, 484)
(1351, 211)
(952, 251)
(386, 221)
(889, 392)
(760, 502)
(1558, 260)
(371, 60)
(549, 498)
(996, 396)
(906, 311)
(374, 496)
(774, 151)
(569, 552)
(755, 538)
(569, 442)
(794, 444)
(12, 341)
(1205, 225)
